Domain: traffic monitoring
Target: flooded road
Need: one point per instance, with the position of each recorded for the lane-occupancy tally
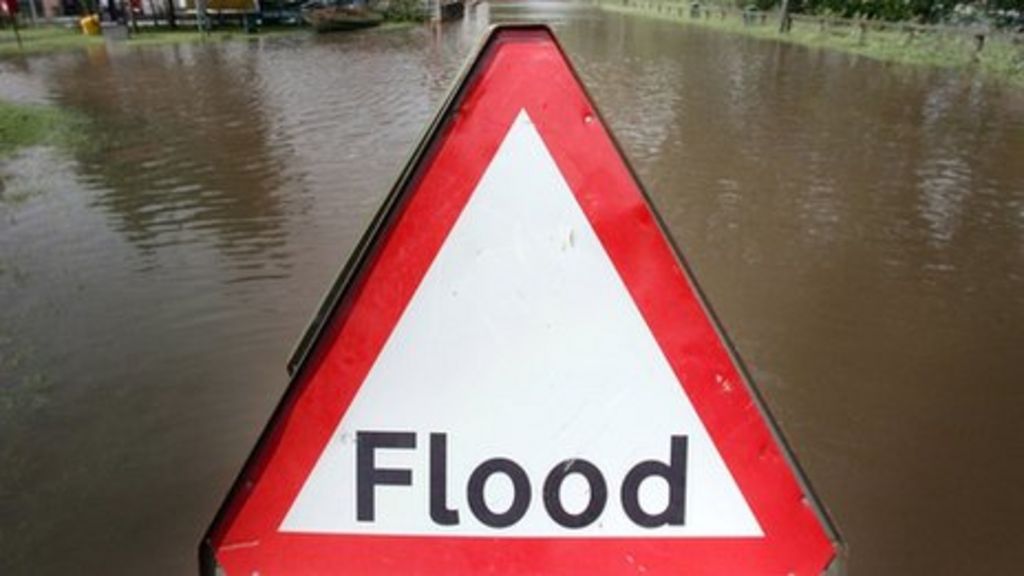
(859, 228)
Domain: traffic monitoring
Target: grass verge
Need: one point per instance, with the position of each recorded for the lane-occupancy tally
(24, 125)
(46, 39)
(1001, 59)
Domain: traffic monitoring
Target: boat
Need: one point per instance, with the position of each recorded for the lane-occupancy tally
(331, 15)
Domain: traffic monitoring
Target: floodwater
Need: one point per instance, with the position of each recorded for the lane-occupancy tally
(859, 228)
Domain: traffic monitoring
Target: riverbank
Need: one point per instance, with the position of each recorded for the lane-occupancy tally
(44, 39)
(47, 39)
(1000, 59)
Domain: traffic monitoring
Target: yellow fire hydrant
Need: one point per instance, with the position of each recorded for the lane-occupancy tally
(90, 25)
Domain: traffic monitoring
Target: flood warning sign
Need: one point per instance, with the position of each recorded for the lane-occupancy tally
(529, 352)
(516, 374)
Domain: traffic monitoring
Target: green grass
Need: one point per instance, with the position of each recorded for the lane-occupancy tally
(44, 39)
(47, 39)
(1000, 59)
(155, 37)
(24, 125)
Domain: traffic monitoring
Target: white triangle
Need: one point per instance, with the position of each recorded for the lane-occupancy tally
(522, 342)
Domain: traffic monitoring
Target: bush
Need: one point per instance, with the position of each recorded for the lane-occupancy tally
(405, 10)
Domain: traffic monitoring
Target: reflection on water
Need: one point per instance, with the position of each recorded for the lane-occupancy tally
(859, 228)
(183, 152)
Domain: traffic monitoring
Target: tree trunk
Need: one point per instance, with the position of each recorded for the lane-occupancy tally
(784, 22)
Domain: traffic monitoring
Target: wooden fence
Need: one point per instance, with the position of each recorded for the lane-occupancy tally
(980, 35)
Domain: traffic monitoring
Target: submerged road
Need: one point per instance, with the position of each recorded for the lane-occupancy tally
(858, 227)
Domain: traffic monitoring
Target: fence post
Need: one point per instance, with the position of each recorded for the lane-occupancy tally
(910, 34)
(17, 35)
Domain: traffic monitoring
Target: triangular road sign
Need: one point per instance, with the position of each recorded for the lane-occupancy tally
(515, 374)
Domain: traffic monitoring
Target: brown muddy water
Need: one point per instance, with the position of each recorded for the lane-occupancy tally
(858, 226)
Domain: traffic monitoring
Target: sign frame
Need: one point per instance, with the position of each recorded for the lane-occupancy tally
(308, 347)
